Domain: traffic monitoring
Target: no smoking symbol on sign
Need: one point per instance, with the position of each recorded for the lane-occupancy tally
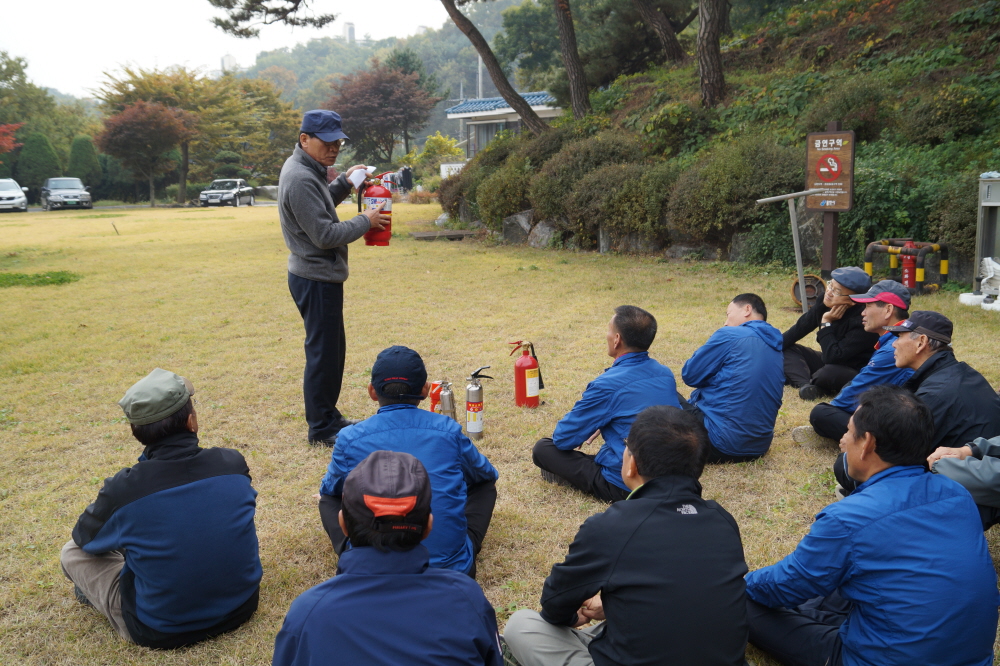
(828, 168)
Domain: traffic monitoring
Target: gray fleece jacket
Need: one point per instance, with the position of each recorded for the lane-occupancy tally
(979, 473)
(313, 233)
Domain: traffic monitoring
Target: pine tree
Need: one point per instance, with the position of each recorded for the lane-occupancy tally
(83, 162)
(37, 162)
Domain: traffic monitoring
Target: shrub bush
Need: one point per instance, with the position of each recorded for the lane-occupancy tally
(561, 173)
(624, 198)
(716, 197)
(450, 195)
(537, 150)
(675, 128)
(424, 197)
(952, 218)
(859, 102)
(504, 192)
(192, 191)
(431, 183)
(480, 167)
(956, 110)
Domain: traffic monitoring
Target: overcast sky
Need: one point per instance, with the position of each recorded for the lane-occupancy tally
(68, 45)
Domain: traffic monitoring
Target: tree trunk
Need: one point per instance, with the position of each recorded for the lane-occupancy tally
(578, 95)
(518, 103)
(152, 192)
(664, 31)
(406, 142)
(183, 181)
(727, 27)
(713, 83)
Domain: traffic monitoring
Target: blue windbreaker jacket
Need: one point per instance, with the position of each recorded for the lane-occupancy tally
(739, 378)
(453, 464)
(184, 517)
(907, 548)
(387, 609)
(610, 404)
(881, 369)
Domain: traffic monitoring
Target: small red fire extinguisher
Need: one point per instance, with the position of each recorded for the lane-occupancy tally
(909, 267)
(527, 375)
(373, 195)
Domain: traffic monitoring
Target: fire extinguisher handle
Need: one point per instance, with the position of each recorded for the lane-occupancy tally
(517, 346)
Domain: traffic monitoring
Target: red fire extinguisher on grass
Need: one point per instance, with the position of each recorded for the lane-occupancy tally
(909, 267)
(373, 195)
(527, 375)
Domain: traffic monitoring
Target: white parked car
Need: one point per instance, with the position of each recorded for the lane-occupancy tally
(13, 196)
(227, 192)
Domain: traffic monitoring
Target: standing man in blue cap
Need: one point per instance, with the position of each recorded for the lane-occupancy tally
(846, 345)
(317, 263)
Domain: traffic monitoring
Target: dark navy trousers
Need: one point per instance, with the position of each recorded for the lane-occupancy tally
(321, 305)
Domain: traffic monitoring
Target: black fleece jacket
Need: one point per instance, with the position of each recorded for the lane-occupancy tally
(845, 342)
(669, 566)
(963, 403)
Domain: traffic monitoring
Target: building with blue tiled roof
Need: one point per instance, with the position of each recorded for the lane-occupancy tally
(485, 117)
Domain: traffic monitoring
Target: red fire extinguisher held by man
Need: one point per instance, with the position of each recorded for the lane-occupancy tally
(373, 195)
(527, 375)
(909, 267)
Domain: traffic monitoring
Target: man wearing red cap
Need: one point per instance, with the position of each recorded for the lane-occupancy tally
(886, 303)
(386, 605)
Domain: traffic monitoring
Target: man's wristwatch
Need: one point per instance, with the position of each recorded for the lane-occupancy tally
(825, 324)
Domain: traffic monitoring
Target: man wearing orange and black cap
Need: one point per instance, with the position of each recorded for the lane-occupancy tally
(386, 605)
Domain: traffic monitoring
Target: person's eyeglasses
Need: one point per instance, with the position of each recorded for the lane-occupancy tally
(339, 143)
(834, 290)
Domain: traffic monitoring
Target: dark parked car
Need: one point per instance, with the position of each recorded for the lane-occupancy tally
(12, 196)
(227, 192)
(65, 193)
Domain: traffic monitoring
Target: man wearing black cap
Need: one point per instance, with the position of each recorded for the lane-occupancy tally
(386, 605)
(962, 402)
(846, 345)
(317, 263)
(168, 551)
(463, 480)
(885, 304)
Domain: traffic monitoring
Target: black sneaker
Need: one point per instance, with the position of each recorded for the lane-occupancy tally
(343, 423)
(328, 442)
(810, 392)
(555, 478)
(81, 597)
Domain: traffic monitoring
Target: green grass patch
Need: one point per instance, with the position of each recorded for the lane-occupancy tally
(37, 279)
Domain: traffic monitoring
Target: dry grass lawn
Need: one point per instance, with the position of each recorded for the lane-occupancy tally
(204, 293)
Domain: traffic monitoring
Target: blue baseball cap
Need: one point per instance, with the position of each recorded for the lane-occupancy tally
(853, 278)
(324, 124)
(400, 365)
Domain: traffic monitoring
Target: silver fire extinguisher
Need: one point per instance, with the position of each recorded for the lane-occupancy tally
(447, 400)
(474, 404)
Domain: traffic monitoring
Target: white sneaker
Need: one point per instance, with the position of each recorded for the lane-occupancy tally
(808, 439)
(839, 492)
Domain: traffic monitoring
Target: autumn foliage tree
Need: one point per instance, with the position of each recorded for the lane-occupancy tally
(142, 134)
(378, 105)
(7, 145)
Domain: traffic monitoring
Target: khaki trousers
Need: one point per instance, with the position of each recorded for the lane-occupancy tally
(98, 577)
(535, 642)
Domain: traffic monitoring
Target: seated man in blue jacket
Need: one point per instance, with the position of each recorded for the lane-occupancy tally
(896, 574)
(168, 551)
(608, 406)
(663, 570)
(386, 605)
(463, 480)
(886, 303)
(738, 377)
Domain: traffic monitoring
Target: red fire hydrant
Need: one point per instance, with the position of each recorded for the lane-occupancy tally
(909, 262)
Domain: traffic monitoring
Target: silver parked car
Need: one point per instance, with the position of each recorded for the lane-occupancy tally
(65, 193)
(13, 196)
(227, 192)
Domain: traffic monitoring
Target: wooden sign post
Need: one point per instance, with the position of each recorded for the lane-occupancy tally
(830, 167)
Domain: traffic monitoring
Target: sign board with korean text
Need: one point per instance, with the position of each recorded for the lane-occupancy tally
(830, 167)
